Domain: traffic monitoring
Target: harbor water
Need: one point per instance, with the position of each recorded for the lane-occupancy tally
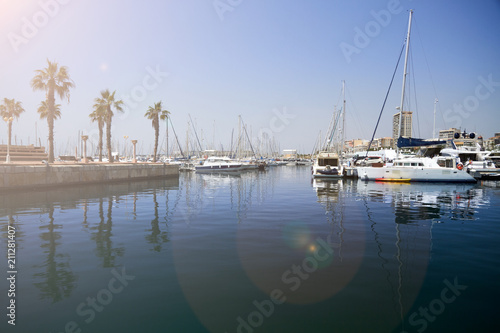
(271, 251)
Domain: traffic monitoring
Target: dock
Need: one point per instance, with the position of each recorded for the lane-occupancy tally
(32, 176)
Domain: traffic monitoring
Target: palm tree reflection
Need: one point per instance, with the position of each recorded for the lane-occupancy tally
(156, 237)
(102, 236)
(58, 279)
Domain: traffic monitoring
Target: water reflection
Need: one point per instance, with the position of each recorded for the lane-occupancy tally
(239, 190)
(331, 196)
(64, 216)
(399, 245)
(412, 203)
(58, 280)
(101, 234)
(156, 237)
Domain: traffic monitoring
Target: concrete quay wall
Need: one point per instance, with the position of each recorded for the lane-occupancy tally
(37, 176)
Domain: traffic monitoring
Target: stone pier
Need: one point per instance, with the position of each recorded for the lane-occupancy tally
(50, 175)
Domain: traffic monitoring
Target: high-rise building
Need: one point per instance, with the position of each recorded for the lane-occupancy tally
(448, 134)
(405, 125)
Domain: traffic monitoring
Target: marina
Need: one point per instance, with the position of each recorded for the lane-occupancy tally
(334, 166)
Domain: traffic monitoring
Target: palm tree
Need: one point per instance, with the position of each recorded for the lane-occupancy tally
(155, 113)
(10, 110)
(43, 110)
(98, 116)
(104, 104)
(53, 79)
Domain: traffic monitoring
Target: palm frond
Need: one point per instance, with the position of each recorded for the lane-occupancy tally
(43, 110)
(11, 108)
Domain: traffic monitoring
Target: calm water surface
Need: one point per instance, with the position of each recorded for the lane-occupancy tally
(258, 252)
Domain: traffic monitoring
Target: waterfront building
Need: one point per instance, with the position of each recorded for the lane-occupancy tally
(448, 134)
(493, 142)
(406, 125)
(360, 145)
(386, 142)
(289, 153)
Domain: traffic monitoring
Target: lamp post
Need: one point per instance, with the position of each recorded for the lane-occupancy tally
(8, 120)
(134, 160)
(84, 138)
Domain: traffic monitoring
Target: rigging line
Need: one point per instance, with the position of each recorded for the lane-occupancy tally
(386, 95)
(355, 113)
(334, 130)
(428, 68)
(415, 95)
(339, 100)
(330, 128)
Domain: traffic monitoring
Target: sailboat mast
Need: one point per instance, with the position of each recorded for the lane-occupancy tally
(343, 119)
(196, 134)
(166, 136)
(434, 124)
(175, 134)
(404, 75)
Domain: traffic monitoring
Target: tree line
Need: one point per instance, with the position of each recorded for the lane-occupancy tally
(55, 80)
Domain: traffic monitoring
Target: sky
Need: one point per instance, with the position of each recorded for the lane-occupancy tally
(279, 64)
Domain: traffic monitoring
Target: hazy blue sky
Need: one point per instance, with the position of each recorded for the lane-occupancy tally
(277, 63)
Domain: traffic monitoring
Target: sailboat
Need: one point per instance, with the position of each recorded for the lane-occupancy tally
(327, 163)
(414, 169)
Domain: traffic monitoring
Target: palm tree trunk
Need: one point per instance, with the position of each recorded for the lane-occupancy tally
(101, 128)
(108, 138)
(50, 122)
(157, 133)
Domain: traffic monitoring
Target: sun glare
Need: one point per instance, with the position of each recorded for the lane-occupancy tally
(13, 11)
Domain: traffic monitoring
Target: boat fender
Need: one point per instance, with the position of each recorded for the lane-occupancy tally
(460, 166)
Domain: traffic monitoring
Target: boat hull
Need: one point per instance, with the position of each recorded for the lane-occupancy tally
(218, 168)
(393, 180)
(416, 174)
(323, 176)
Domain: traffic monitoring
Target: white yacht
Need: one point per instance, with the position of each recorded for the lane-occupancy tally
(418, 169)
(219, 164)
(327, 165)
(477, 162)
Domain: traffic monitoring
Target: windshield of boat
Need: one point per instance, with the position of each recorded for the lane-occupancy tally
(328, 161)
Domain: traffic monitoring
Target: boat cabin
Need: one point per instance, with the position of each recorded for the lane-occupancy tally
(328, 161)
(323, 159)
(446, 162)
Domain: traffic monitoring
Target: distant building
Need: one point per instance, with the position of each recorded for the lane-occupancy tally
(360, 144)
(289, 153)
(386, 142)
(448, 134)
(406, 128)
(493, 142)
